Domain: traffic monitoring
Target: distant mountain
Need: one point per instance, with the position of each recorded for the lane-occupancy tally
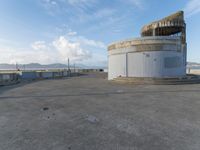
(192, 63)
(37, 66)
(50, 66)
(7, 67)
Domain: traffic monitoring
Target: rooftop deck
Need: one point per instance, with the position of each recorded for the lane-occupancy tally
(91, 113)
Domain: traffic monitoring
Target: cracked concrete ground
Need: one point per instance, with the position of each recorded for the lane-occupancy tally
(91, 113)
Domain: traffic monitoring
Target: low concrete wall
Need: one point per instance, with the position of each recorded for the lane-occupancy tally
(65, 73)
(12, 77)
(91, 70)
(44, 74)
(47, 74)
(8, 78)
(57, 74)
(29, 75)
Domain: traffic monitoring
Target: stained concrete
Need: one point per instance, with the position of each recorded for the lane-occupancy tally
(91, 113)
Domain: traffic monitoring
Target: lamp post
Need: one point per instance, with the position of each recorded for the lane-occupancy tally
(68, 65)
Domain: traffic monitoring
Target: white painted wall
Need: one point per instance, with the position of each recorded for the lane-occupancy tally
(151, 64)
(128, 62)
(116, 66)
(144, 64)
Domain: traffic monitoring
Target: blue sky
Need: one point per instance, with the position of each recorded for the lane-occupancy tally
(50, 31)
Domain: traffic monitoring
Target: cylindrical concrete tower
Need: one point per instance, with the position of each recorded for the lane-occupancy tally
(159, 53)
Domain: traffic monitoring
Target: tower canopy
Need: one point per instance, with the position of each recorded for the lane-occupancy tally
(171, 25)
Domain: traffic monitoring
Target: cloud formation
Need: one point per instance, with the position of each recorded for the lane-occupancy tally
(192, 8)
(137, 3)
(76, 48)
(91, 11)
(87, 42)
(70, 50)
(22, 56)
(93, 15)
(39, 45)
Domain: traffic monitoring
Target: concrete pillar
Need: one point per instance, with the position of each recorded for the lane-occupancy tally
(126, 64)
(154, 32)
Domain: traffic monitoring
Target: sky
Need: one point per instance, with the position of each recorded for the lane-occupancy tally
(51, 31)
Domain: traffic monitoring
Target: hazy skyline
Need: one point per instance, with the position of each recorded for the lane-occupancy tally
(50, 31)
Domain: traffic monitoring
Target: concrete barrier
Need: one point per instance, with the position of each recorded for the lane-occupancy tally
(8, 78)
(12, 77)
(57, 74)
(44, 74)
(65, 73)
(47, 75)
(29, 75)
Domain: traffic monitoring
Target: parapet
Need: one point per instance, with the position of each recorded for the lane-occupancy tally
(171, 25)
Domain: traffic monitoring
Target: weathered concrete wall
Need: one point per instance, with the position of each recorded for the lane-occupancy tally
(147, 57)
(171, 25)
(8, 78)
(154, 42)
(161, 52)
(117, 65)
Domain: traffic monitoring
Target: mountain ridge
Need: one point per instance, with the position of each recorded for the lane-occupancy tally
(37, 66)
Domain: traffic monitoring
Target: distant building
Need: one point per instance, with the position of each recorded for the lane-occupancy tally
(160, 52)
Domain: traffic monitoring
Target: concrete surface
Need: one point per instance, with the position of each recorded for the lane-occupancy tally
(91, 113)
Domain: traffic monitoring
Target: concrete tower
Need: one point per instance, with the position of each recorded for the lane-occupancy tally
(160, 52)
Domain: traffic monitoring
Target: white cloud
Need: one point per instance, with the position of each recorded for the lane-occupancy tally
(72, 33)
(81, 5)
(192, 7)
(70, 50)
(80, 2)
(52, 7)
(66, 6)
(39, 45)
(83, 41)
(87, 42)
(8, 42)
(78, 48)
(22, 56)
(137, 3)
(94, 13)
(103, 13)
(92, 43)
(53, 2)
